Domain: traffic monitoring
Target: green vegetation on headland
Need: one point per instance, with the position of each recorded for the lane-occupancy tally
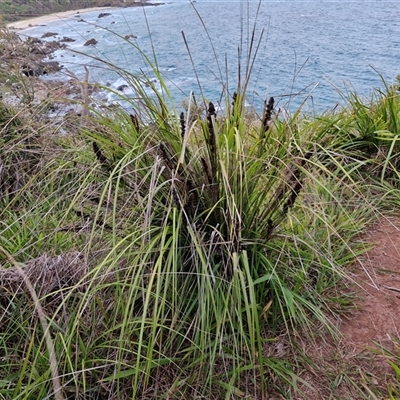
(15, 10)
(181, 253)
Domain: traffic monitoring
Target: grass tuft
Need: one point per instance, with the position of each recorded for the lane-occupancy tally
(169, 252)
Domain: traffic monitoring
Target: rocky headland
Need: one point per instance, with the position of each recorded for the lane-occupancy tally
(24, 60)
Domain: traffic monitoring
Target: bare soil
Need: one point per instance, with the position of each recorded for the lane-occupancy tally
(356, 366)
(377, 283)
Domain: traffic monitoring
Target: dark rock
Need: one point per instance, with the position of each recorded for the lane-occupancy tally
(32, 70)
(51, 66)
(42, 68)
(102, 15)
(121, 88)
(33, 40)
(37, 50)
(91, 42)
(52, 46)
(27, 71)
(49, 34)
(46, 49)
(67, 39)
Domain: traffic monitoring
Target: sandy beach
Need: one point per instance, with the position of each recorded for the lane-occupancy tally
(28, 23)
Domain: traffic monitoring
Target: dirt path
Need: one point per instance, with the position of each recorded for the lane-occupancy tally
(355, 367)
(377, 274)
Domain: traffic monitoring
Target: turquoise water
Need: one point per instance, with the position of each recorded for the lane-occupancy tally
(307, 51)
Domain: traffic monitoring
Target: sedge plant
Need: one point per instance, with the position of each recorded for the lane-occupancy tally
(200, 239)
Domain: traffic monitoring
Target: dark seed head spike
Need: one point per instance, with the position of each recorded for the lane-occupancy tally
(135, 121)
(100, 156)
(183, 124)
(234, 98)
(211, 109)
(269, 108)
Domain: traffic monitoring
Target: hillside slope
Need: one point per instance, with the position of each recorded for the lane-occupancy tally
(14, 10)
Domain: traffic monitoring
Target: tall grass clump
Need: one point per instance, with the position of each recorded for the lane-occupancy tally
(366, 131)
(175, 252)
(199, 222)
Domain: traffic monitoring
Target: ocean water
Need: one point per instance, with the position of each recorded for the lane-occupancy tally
(300, 52)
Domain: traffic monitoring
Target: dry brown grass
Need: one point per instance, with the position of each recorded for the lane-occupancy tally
(47, 274)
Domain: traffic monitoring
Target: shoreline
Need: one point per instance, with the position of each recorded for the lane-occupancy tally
(36, 64)
(37, 21)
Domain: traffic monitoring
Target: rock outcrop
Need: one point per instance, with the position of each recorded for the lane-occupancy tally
(49, 34)
(91, 42)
